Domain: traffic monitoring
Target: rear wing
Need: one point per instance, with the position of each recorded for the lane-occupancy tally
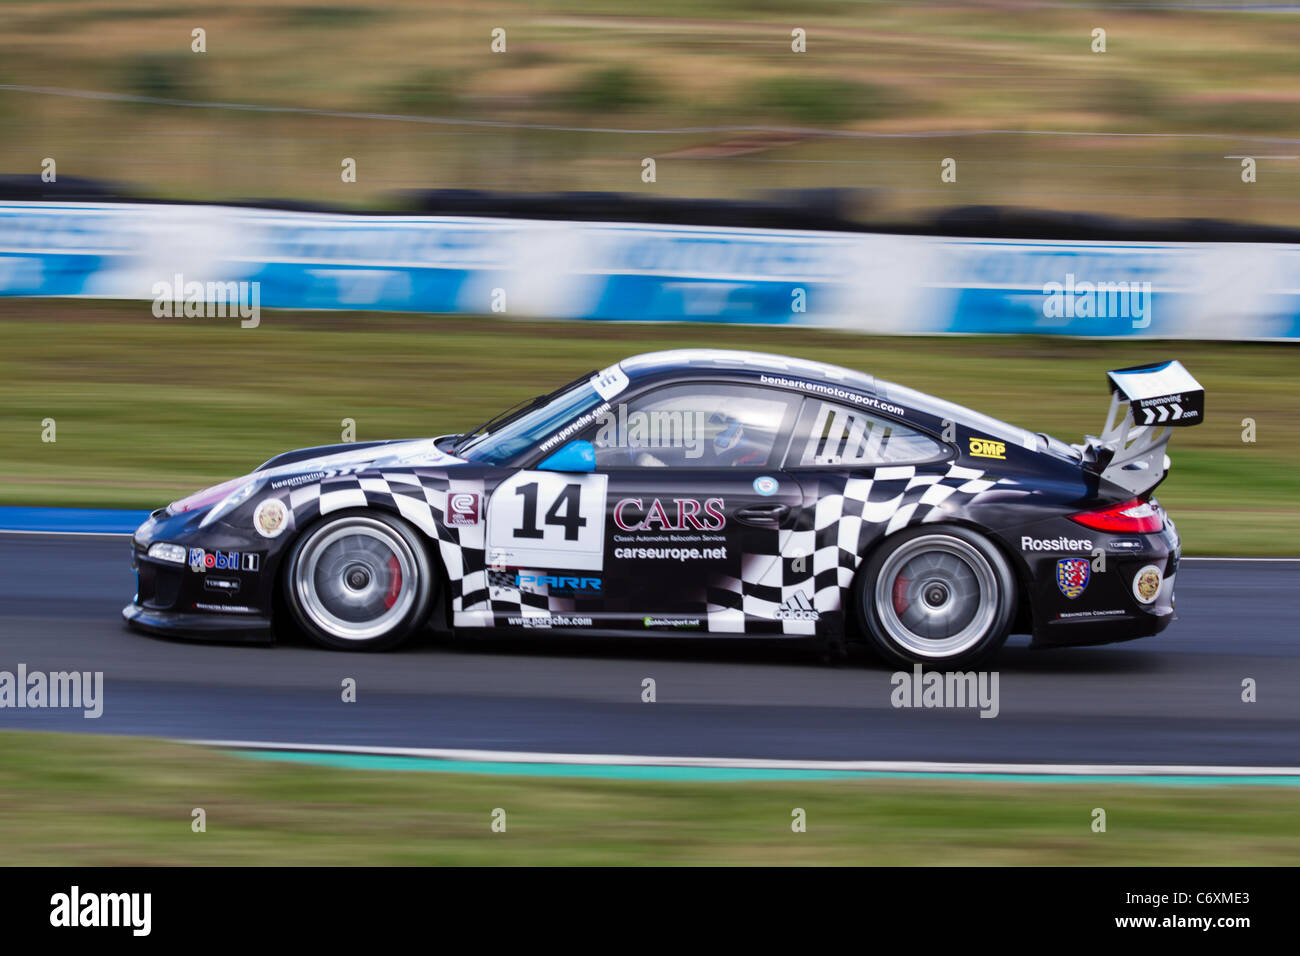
(1146, 401)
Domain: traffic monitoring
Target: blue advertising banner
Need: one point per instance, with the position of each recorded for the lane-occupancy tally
(169, 255)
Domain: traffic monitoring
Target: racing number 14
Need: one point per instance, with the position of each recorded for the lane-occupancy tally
(564, 512)
(541, 519)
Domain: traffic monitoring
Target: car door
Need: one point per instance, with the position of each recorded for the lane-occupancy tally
(698, 515)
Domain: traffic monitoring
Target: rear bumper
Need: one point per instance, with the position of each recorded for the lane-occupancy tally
(1079, 632)
(1127, 591)
(1121, 617)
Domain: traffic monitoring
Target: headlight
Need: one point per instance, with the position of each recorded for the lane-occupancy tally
(163, 551)
(205, 496)
(231, 502)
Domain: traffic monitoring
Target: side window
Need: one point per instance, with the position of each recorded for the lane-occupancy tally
(694, 425)
(831, 434)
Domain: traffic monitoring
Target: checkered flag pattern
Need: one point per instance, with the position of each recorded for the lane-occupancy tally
(421, 498)
(821, 556)
(787, 580)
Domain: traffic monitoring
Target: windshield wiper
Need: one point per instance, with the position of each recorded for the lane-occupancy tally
(515, 410)
(524, 405)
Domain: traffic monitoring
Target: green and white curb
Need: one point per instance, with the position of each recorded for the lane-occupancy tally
(627, 767)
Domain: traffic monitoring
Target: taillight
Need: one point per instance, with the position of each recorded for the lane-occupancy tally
(1133, 516)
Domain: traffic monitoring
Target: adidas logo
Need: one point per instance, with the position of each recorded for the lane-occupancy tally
(797, 607)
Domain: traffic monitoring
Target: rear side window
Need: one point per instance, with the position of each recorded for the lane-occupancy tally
(828, 434)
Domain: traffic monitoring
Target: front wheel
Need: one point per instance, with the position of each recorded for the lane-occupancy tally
(359, 581)
(941, 595)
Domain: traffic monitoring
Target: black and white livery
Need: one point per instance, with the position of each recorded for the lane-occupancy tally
(696, 493)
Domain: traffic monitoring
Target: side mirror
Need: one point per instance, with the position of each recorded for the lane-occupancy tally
(575, 456)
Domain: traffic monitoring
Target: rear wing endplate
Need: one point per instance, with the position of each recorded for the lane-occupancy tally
(1146, 401)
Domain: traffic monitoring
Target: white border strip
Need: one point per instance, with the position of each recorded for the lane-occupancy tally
(877, 766)
(1213, 558)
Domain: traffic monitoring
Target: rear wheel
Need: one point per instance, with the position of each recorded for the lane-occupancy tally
(359, 581)
(942, 595)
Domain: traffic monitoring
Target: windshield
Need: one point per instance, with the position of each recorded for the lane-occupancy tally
(524, 431)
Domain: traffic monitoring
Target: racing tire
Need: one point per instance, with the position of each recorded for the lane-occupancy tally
(939, 594)
(359, 581)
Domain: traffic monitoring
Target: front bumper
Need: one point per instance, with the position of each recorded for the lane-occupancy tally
(223, 592)
(252, 629)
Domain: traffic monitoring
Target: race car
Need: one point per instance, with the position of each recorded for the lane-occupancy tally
(698, 493)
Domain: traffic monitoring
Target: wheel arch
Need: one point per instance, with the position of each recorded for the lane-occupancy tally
(1023, 614)
(282, 615)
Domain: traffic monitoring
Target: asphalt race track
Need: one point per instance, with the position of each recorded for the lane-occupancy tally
(1170, 699)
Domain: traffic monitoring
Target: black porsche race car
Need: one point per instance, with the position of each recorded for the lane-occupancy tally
(696, 492)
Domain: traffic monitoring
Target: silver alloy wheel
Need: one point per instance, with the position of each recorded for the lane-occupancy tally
(356, 578)
(936, 596)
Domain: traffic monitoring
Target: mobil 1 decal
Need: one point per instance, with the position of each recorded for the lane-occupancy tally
(545, 519)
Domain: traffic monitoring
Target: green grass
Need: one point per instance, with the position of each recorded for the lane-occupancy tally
(83, 800)
(823, 101)
(149, 409)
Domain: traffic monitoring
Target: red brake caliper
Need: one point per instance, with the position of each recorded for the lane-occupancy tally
(394, 581)
(901, 603)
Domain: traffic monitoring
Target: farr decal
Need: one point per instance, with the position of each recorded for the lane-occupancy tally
(685, 514)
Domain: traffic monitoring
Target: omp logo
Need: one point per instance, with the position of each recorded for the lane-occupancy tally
(797, 607)
(1055, 544)
(74, 908)
(987, 448)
